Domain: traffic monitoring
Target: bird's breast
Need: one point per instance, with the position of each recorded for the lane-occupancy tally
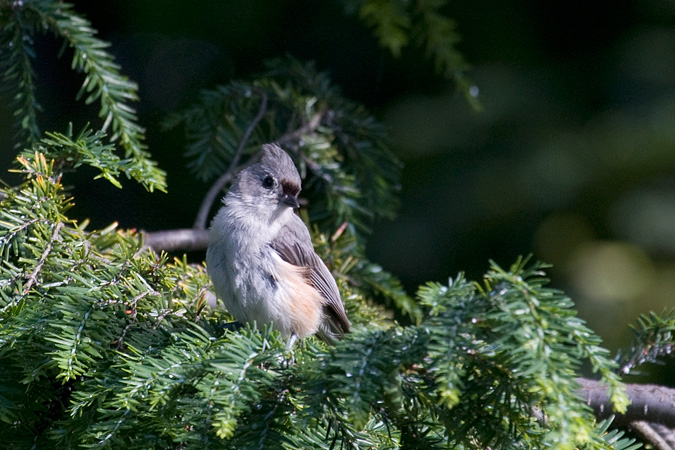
(254, 282)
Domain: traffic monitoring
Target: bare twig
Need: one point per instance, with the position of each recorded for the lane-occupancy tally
(649, 402)
(32, 278)
(219, 184)
(185, 239)
(23, 226)
(666, 434)
(309, 127)
(654, 435)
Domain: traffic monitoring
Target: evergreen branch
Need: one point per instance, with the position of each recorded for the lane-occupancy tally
(654, 338)
(13, 232)
(32, 278)
(18, 76)
(522, 351)
(349, 174)
(390, 20)
(396, 22)
(487, 365)
(104, 83)
(217, 187)
(437, 33)
(108, 438)
(550, 310)
(67, 150)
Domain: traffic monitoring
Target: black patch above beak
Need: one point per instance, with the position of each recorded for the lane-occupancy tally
(290, 193)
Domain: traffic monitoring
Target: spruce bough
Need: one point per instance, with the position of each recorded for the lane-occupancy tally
(104, 344)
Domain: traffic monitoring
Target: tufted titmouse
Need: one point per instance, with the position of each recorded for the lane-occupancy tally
(261, 259)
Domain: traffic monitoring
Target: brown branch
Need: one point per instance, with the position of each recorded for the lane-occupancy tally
(23, 226)
(649, 403)
(309, 127)
(219, 184)
(666, 434)
(659, 436)
(185, 239)
(32, 278)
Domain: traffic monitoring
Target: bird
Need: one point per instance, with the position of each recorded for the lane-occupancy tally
(261, 259)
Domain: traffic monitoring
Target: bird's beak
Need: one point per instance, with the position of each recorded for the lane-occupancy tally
(290, 200)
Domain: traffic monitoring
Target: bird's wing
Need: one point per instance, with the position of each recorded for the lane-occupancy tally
(294, 245)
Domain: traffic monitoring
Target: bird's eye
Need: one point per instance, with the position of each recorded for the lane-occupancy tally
(268, 182)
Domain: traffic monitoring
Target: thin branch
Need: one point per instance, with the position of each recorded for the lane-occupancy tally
(309, 127)
(648, 345)
(185, 239)
(23, 226)
(219, 184)
(653, 434)
(666, 434)
(32, 278)
(649, 402)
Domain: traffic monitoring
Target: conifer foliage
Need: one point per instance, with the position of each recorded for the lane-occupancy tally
(107, 344)
(103, 83)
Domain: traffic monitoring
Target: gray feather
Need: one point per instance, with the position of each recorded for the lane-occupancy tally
(294, 245)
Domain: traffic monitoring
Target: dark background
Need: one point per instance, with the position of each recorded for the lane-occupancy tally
(572, 158)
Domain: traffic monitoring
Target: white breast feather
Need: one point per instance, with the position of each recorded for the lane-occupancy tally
(240, 261)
